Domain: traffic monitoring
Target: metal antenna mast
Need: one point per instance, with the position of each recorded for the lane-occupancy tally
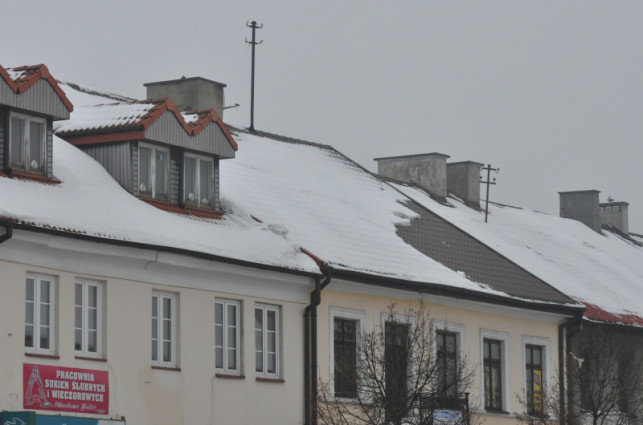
(488, 182)
(253, 43)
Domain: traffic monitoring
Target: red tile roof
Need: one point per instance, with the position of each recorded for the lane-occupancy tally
(594, 312)
(98, 131)
(27, 76)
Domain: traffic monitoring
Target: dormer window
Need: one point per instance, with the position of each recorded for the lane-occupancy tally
(198, 181)
(153, 171)
(27, 143)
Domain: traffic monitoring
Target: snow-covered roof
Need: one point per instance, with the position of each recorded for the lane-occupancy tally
(603, 271)
(88, 201)
(280, 196)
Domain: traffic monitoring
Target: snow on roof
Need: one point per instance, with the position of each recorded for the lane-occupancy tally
(331, 206)
(89, 201)
(109, 116)
(603, 271)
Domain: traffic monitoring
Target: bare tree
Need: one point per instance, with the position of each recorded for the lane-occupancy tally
(604, 381)
(398, 373)
(605, 377)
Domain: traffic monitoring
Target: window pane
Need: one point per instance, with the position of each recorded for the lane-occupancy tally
(232, 315)
(232, 358)
(92, 344)
(78, 317)
(92, 316)
(258, 319)
(232, 337)
(271, 320)
(167, 308)
(44, 337)
(144, 170)
(155, 348)
(259, 361)
(78, 294)
(190, 180)
(218, 314)
(28, 335)
(44, 291)
(205, 177)
(93, 296)
(78, 337)
(272, 363)
(36, 145)
(259, 340)
(219, 357)
(167, 351)
(167, 329)
(44, 314)
(17, 142)
(537, 356)
(160, 187)
(495, 351)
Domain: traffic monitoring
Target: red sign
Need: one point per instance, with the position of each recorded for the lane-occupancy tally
(65, 389)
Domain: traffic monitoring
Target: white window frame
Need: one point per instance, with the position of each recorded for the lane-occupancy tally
(197, 183)
(343, 313)
(154, 149)
(547, 360)
(26, 142)
(84, 327)
(608, 209)
(615, 208)
(264, 308)
(160, 296)
(35, 348)
(506, 388)
(226, 369)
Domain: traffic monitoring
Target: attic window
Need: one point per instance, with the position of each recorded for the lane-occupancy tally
(615, 208)
(27, 146)
(198, 181)
(153, 171)
(608, 209)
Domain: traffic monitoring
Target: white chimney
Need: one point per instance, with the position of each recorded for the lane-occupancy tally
(428, 171)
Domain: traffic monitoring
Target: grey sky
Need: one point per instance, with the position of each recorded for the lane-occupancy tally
(551, 92)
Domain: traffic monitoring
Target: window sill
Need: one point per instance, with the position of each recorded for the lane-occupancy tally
(496, 412)
(43, 356)
(93, 359)
(30, 176)
(228, 376)
(271, 380)
(174, 369)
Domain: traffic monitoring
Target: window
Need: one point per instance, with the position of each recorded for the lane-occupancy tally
(345, 357)
(27, 147)
(163, 329)
(608, 209)
(198, 181)
(492, 356)
(345, 339)
(534, 374)
(39, 314)
(267, 341)
(88, 317)
(616, 208)
(396, 359)
(447, 358)
(153, 171)
(226, 336)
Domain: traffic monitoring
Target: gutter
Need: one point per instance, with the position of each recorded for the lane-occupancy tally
(457, 293)
(310, 347)
(147, 246)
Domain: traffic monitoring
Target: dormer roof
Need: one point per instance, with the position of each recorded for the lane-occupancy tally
(45, 96)
(156, 120)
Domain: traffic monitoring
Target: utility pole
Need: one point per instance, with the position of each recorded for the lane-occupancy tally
(253, 43)
(488, 182)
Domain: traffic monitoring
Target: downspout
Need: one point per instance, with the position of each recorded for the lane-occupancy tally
(7, 234)
(310, 347)
(564, 341)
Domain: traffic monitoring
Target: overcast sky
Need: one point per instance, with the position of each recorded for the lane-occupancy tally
(549, 91)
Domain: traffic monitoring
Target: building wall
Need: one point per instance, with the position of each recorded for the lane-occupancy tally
(192, 393)
(520, 328)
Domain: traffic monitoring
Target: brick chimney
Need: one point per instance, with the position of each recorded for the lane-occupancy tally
(463, 180)
(188, 94)
(428, 171)
(615, 214)
(581, 205)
